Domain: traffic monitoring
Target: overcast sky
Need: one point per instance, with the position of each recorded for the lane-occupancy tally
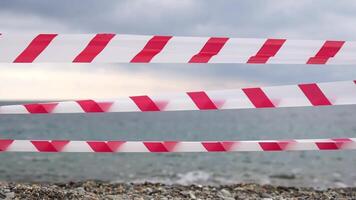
(302, 19)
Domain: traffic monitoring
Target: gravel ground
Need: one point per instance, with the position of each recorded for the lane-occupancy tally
(116, 191)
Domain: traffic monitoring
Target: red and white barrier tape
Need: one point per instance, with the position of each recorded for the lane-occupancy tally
(312, 94)
(116, 48)
(175, 146)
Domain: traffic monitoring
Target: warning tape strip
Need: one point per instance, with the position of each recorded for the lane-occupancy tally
(310, 94)
(117, 48)
(7, 145)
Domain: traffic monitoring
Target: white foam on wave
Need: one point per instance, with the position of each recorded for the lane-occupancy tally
(194, 177)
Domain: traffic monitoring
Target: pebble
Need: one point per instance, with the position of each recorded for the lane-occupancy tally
(227, 198)
(2, 196)
(113, 197)
(10, 195)
(192, 195)
(148, 190)
(225, 193)
(265, 195)
(80, 190)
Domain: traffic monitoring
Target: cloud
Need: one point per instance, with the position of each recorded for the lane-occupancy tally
(28, 23)
(259, 18)
(66, 82)
(303, 19)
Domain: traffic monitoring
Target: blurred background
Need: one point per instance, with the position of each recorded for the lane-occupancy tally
(304, 19)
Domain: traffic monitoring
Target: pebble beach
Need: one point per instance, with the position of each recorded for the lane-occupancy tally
(142, 191)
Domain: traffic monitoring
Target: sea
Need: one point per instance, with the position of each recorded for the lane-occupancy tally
(318, 169)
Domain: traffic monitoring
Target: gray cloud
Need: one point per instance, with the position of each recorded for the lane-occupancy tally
(303, 19)
(259, 18)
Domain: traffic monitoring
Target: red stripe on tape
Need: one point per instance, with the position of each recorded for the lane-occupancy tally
(202, 101)
(270, 146)
(59, 144)
(50, 146)
(115, 145)
(258, 98)
(4, 144)
(145, 103)
(40, 107)
(43, 146)
(152, 48)
(95, 46)
(328, 50)
(327, 145)
(228, 145)
(91, 106)
(210, 49)
(99, 146)
(34, 49)
(214, 146)
(314, 94)
(170, 145)
(155, 147)
(269, 49)
(285, 143)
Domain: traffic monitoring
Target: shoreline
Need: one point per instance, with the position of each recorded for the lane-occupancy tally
(115, 191)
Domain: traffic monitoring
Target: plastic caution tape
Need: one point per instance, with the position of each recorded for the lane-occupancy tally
(7, 145)
(117, 48)
(311, 94)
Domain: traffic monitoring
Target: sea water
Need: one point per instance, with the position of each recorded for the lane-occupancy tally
(309, 168)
